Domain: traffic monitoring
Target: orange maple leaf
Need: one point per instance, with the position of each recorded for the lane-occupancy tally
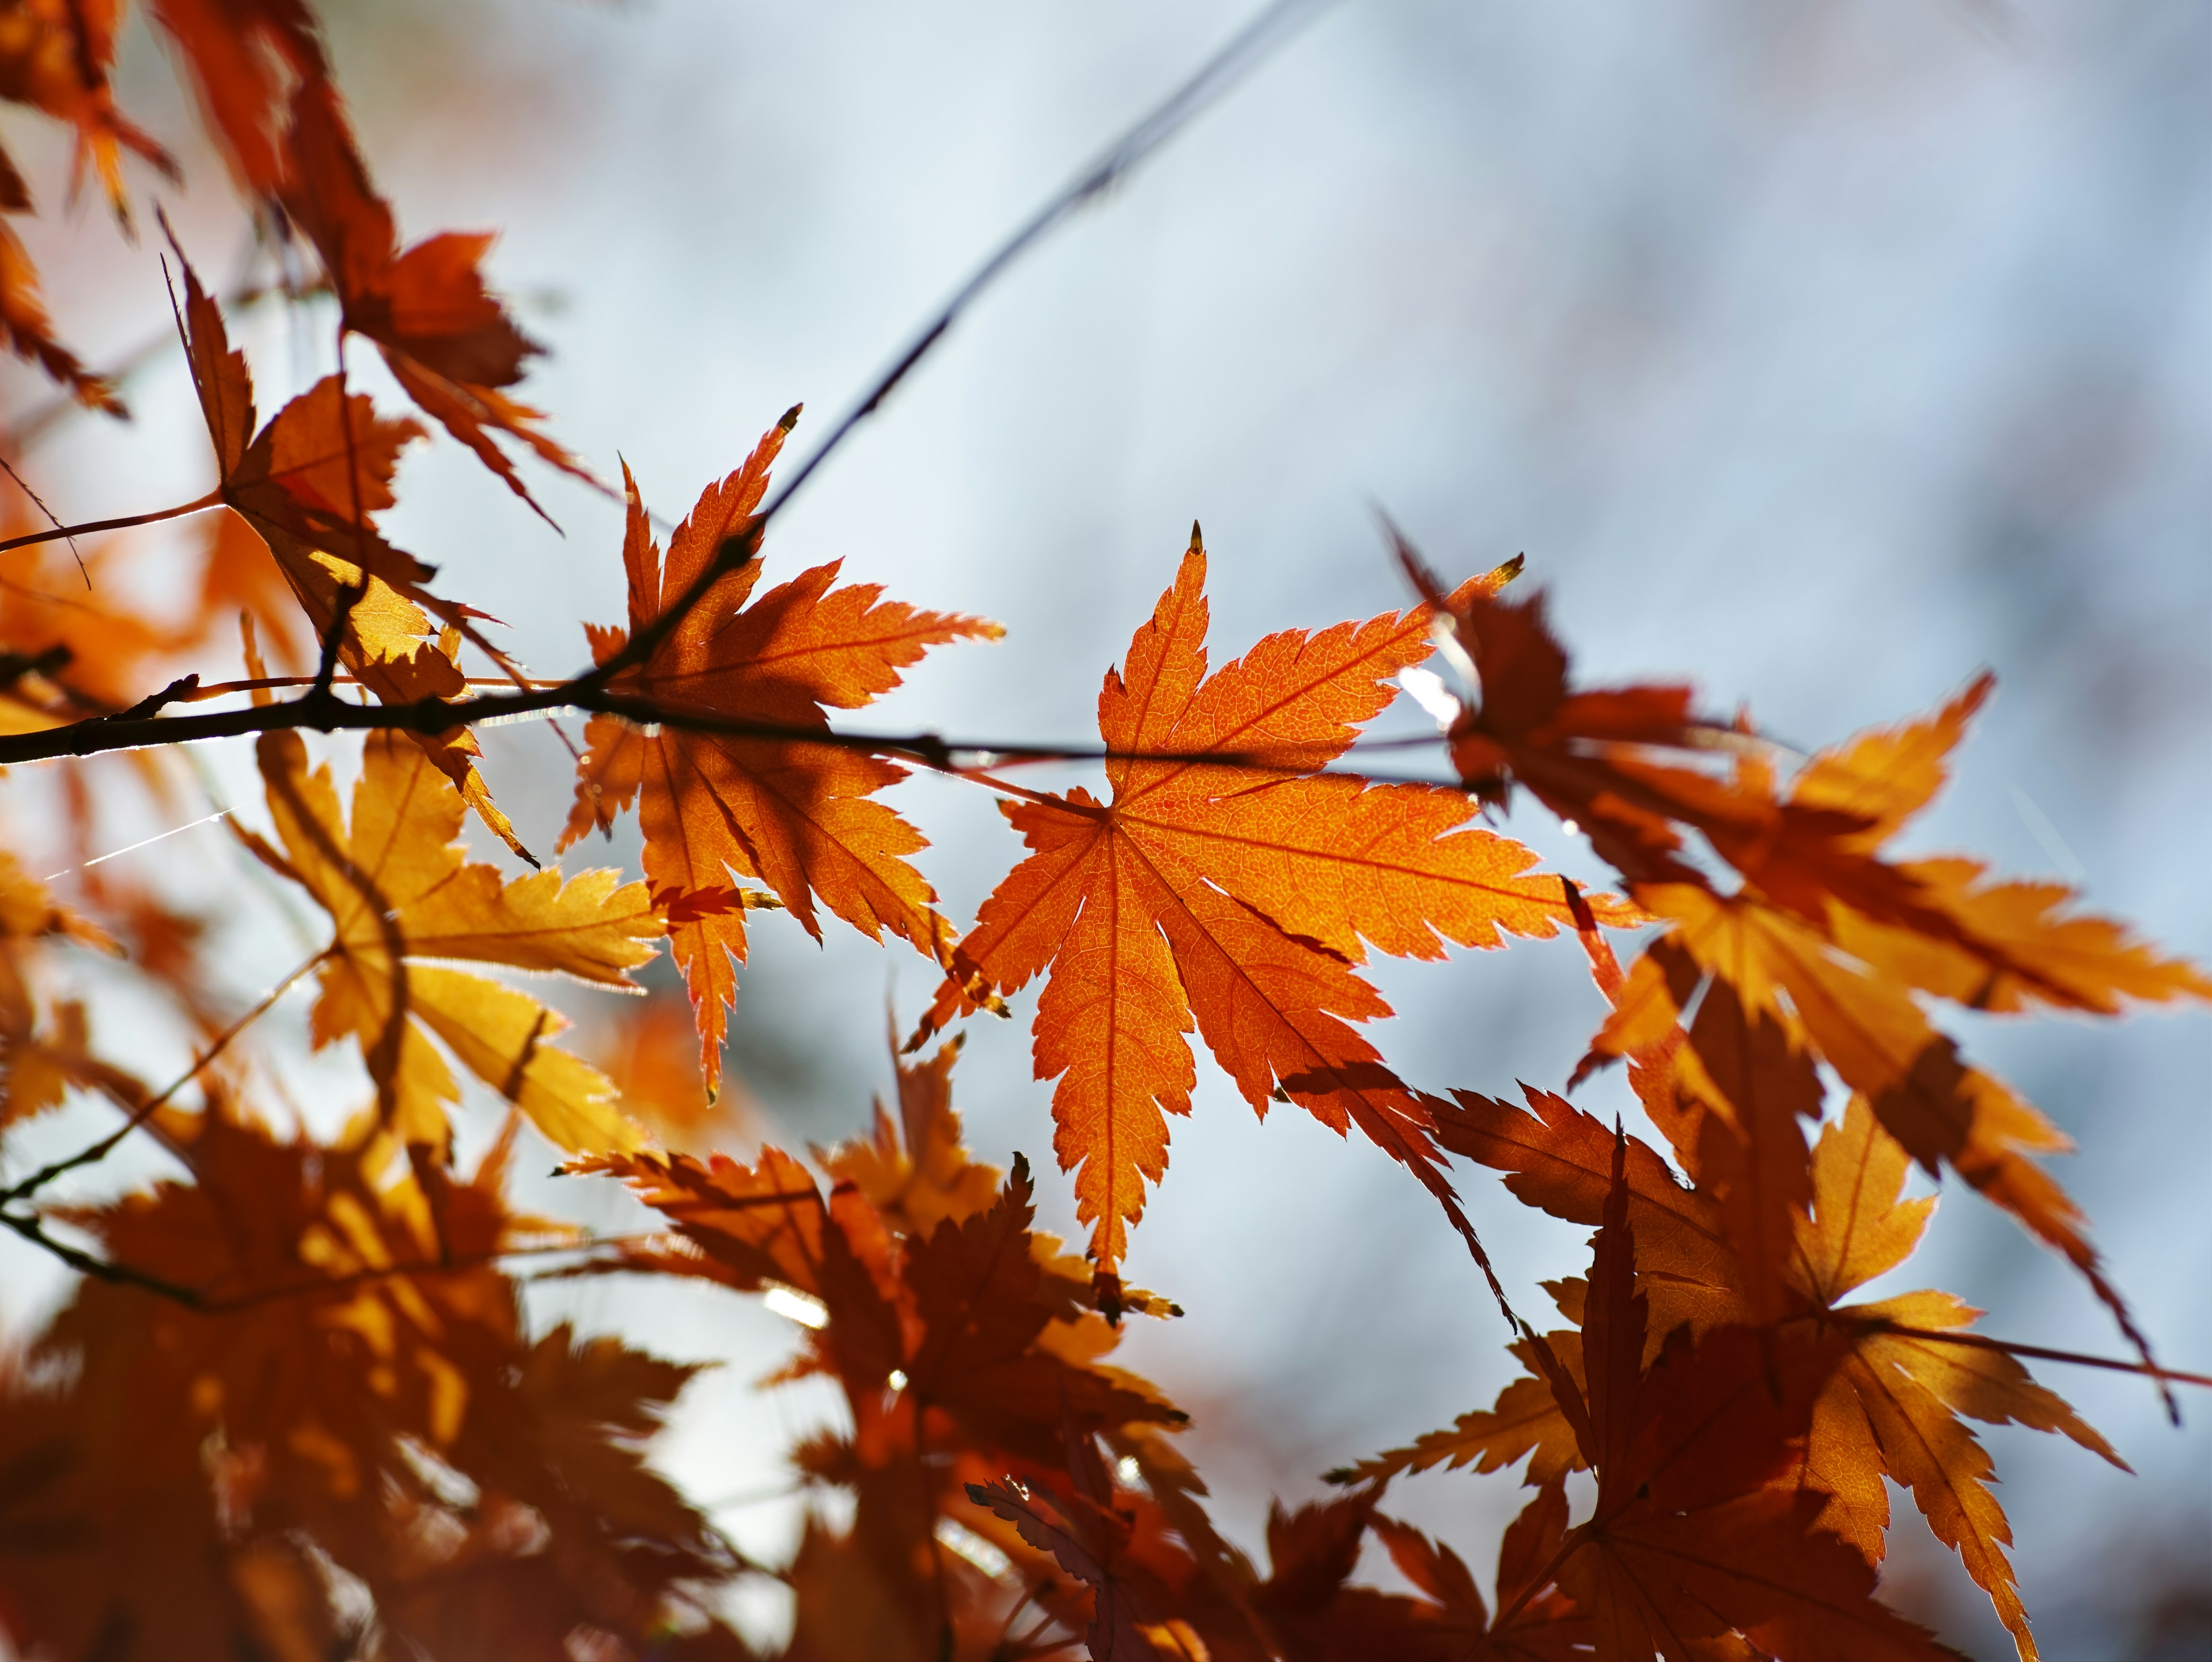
(56, 56)
(244, 56)
(309, 484)
(447, 340)
(1825, 944)
(1892, 1406)
(793, 815)
(1237, 898)
(969, 1348)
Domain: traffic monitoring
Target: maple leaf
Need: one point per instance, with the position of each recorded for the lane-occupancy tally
(308, 484)
(1613, 761)
(969, 1349)
(356, 1362)
(445, 337)
(915, 1170)
(977, 1316)
(1560, 1160)
(243, 55)
(401, 897)
(1087, 1536)
(57, 57)
(1893, 1404)
(986, 1304)
(793, 816)
(1825, 942)
(1236, 900)
(1946, 1111)
(1890, 1406)
(1691, 1536)
(1311, 1611)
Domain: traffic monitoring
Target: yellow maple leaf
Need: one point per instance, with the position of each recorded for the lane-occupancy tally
(1895, 1406)
(402, 896)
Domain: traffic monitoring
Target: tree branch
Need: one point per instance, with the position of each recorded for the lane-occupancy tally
(328, 714)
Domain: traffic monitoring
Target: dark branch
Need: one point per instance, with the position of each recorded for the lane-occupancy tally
(328, 714)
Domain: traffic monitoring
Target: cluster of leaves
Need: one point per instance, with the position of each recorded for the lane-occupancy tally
(293, 1408)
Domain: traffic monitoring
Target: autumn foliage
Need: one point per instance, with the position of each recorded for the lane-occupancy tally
(292, 1409)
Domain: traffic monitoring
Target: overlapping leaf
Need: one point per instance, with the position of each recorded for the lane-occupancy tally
(1890, 1407)
(1693, 1537)
(245, 56)
(969, 1348)
(1234, 898)
(447, 340)
(1824, 942)
(402, 898)
(1893, 1406)
(309, 484)
(718, 803)
(359, 1378)
(56, 56)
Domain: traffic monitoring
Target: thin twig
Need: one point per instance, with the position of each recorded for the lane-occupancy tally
(33, 1231)
(1244, 53)
(589, 692)
(93, 1153)
(32, 1228)
(52, 518)
(451, 1264)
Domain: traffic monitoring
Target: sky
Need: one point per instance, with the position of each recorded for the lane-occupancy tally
(1823, 356)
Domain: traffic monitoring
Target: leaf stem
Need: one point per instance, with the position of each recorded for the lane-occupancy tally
(62, 533)
(2009, 1348)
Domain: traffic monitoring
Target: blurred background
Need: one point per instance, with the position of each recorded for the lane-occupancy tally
(1824, 353)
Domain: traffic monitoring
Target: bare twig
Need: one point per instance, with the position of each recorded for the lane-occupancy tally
(33, 1230)
(1245, 52)
(93, 1153)
(52, 518)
